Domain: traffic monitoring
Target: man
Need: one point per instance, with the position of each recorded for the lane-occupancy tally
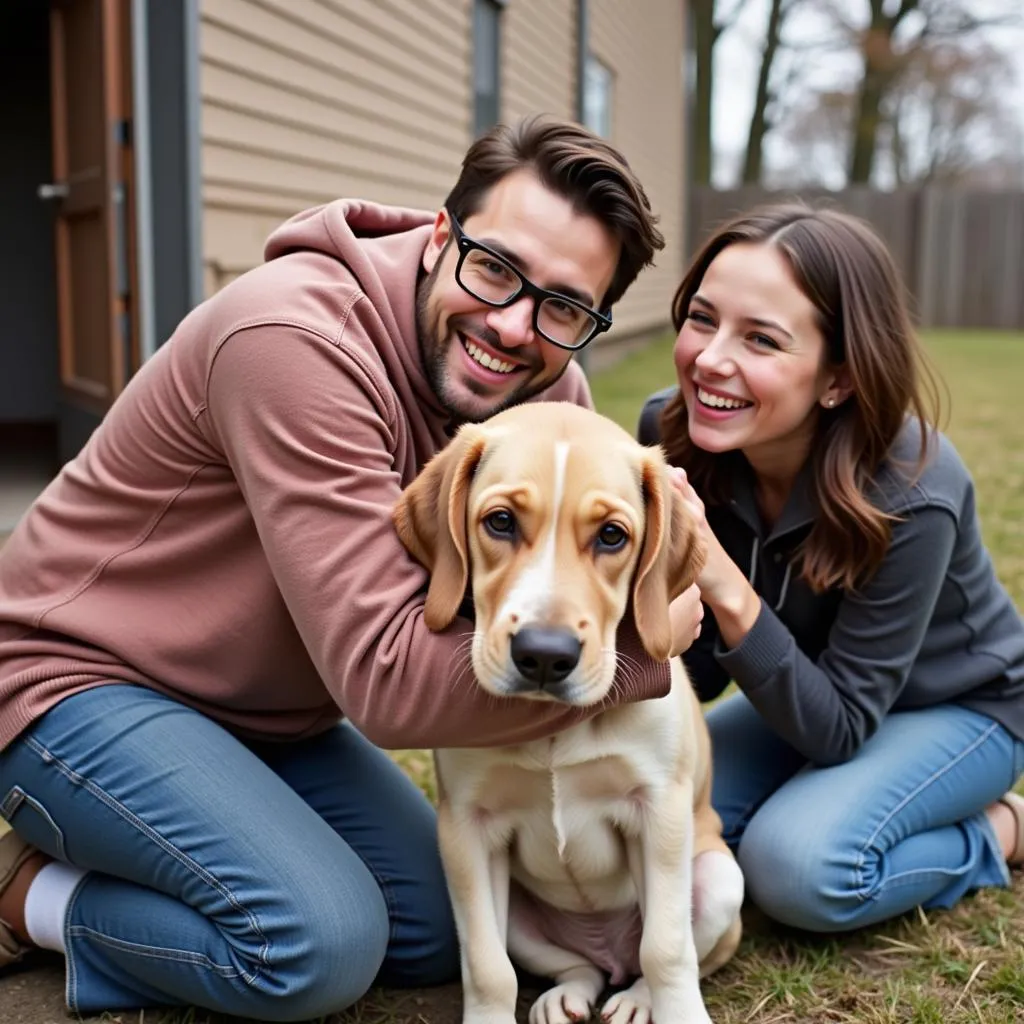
(190, 608)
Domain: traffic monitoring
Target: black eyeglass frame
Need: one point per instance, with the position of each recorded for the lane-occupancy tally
(466, 244)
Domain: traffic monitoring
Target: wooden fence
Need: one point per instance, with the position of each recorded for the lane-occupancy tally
(961, 253)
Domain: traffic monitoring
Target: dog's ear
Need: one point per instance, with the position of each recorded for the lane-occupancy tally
(670, 560)
(430, 517)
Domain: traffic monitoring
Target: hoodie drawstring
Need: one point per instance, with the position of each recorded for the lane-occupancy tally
(752, 575)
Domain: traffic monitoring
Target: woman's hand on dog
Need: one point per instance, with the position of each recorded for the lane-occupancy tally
(686, 613)
(719, 569)
(723, 586)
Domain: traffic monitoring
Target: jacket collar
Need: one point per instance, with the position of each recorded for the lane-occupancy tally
(798, 512)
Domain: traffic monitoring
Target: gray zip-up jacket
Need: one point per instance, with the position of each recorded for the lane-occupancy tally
(932, 625)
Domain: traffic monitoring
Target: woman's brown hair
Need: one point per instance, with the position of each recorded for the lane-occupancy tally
(577, 164)
(845, 270)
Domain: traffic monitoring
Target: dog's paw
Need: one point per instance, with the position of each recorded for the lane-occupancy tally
(635, 1005)
(567, 1003)
(630, 1006)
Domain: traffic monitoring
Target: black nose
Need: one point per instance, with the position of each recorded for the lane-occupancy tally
(545, 656)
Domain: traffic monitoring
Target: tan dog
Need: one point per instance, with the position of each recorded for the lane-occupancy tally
(596, 851)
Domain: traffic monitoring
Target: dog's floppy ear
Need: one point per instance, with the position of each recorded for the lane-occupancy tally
(430, 517)
(670, 560)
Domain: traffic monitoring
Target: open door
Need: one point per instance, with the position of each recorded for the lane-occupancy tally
(91, 190)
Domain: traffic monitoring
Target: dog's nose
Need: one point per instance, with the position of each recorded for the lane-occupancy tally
(545, 656)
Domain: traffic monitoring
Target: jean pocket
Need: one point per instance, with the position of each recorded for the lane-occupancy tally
(33, 822)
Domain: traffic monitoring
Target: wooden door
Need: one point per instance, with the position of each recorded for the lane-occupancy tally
(91, 187)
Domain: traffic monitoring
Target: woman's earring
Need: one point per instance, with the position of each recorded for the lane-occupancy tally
(831, 402)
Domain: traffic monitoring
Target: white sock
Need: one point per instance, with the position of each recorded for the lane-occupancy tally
(46, 904)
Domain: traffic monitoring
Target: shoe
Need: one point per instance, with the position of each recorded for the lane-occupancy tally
(13, 853)
(1015, 802)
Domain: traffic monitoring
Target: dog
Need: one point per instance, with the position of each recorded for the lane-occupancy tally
(593, 854)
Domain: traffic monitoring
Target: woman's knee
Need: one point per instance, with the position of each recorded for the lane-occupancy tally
(799, 877)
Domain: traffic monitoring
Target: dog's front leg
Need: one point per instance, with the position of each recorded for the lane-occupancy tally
(669, 990)
(578, 982)
(477, 876)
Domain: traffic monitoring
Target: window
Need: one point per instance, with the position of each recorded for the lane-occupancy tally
(486, 50)
(597, 96)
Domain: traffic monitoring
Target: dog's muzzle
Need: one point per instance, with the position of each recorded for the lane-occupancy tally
(545, 657)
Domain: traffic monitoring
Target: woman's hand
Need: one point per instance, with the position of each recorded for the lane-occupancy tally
(723, 587)
(719, 568)
(685, 613)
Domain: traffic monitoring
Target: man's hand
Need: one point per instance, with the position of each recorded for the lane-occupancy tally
(686, 614)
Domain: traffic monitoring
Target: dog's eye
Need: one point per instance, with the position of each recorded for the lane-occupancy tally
(500, 523)
(611, 537)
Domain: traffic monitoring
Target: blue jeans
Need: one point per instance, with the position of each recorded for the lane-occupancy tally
(275, 881)
(900, 825)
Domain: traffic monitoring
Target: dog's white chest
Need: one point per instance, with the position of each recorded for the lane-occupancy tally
(562, 806)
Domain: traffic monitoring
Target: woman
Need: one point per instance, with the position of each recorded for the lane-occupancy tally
(863, 768)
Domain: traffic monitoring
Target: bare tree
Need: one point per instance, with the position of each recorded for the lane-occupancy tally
(949, 119)
(926, 103)
(760, 124)
(814, 137)
(896, 33)
(709, 19)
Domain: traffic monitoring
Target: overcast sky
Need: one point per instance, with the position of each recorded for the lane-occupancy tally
(737, 61)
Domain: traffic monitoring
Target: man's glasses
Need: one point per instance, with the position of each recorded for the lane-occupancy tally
(490, 278)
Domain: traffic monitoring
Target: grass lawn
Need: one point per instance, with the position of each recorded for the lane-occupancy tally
(965, 966)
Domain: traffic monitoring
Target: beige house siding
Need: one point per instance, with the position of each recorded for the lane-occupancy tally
(645, 55)
(538, 58)
(307, 100)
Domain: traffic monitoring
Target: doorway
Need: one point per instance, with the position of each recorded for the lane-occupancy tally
(29, 374)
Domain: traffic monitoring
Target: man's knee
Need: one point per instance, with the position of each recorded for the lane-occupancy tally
(325, 958)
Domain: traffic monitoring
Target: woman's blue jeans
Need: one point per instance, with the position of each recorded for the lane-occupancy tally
(900, 825)
(275, 881)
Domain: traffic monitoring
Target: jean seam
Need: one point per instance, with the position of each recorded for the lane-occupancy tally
(159, 952)
(70, 972)
(135, 821)
(934, 777)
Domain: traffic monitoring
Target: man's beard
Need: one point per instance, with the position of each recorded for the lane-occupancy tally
(434, 353)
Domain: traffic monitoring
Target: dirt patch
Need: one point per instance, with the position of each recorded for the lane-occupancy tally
(33, 993)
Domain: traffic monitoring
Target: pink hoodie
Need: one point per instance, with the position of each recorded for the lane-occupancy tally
(225, 536)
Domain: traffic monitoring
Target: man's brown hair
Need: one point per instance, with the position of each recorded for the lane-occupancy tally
(576, 164)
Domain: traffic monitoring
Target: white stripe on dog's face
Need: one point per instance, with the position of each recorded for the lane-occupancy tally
(530, 599)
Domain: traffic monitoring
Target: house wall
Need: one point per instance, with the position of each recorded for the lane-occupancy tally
(305, 101)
